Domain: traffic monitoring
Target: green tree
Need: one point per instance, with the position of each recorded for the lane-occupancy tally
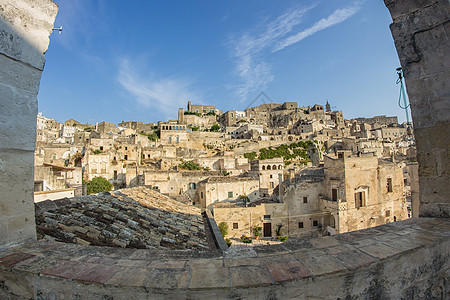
(98, 185)
(215, 128)
(223, 227)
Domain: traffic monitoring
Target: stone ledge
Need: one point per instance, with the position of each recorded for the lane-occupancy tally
(301, 268)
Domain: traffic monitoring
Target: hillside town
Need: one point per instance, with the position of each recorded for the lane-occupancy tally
(283, 169)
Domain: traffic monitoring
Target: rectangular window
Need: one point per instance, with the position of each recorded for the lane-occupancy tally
(272, 185)
(300, 224)
(115, 174)
(201, 195)
(126, 157)
(315, 223)
(388, 213)
(389, 185)
(360, 199)
(266, 217)
(305, 199)
(126, 148)
(101, 148)
(235, 226)
(334, 193)
(230, 194)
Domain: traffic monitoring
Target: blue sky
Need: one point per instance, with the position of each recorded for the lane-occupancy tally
(142, 60)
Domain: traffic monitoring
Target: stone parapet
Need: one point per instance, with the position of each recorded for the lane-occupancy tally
(399, 260)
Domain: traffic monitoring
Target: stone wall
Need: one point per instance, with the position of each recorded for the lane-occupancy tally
(25, 27)
(421, 33)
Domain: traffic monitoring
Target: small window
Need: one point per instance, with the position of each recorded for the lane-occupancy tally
(126, 148)
(305, 199)
(272, 185)
(271, 176)
(360, 199)
(334, 194)
(201, 195)
(388, 213)
(230, 194)
(389, 185)
(101, 148)
(266, 217)
(126, 157)
(315, 223)
(300, 224)
(235, 226)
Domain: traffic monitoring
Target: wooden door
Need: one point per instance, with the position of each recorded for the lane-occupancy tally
(267, 229)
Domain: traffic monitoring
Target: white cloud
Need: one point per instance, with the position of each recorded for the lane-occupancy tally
(248, 47)
(164, 95)
(336, 17)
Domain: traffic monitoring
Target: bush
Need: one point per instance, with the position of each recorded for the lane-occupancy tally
(228, 241)
(98, 151)
(223, 227)
(283, 238)
(189, 165)
(215, 128)
(98, 185)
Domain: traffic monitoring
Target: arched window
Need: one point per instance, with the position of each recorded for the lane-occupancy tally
(274, 167)
(170, 140)
(263, 167)
(178, 139)
(268, 167)
(192, 186)
(279, 167)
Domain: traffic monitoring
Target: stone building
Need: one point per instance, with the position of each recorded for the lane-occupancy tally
(217, 189)
(203, 109)
(269, 172)
(173, 134)
(349, 193)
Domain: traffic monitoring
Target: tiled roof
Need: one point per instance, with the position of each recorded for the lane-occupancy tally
(133, 218)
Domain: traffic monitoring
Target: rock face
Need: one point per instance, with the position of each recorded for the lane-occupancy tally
(133, 218)
(25, 26)
(421, 34)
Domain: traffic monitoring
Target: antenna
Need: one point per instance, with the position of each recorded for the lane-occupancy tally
(59, 29)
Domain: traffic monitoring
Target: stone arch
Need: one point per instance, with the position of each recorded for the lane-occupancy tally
(268, 167)
(263, 167)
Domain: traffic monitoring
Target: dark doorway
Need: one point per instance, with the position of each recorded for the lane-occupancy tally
(267, 227)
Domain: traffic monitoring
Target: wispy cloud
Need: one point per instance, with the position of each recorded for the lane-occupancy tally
(162, 95)
(250, 48)
(336, 17)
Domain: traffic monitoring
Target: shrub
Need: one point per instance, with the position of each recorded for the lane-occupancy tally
(189, 165)
(98, 151)
(283, 238)
(223, 227)
(215, 128)
(228, 241)
(98, 185)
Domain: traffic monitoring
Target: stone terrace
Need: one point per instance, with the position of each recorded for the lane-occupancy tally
(393, 261)
(133, 218)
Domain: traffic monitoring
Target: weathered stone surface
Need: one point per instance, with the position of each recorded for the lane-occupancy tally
(116, 220)
(421, 33)
(409, 258)
(25, 26)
